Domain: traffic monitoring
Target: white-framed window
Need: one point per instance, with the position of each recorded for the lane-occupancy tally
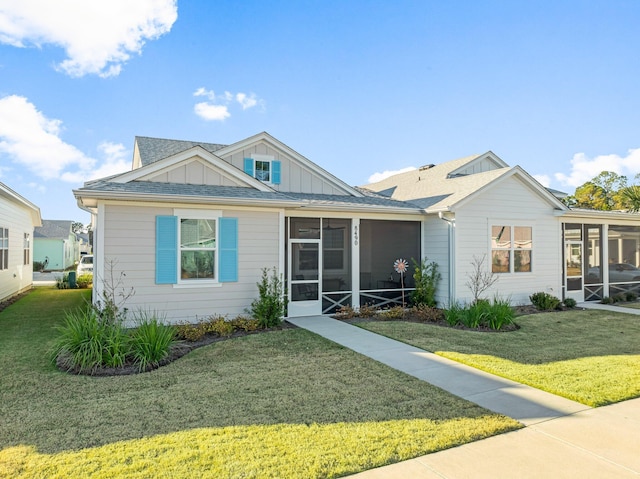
(264, 168)
(4, 248)
(27, 249)
(511, 248)
(197, 246)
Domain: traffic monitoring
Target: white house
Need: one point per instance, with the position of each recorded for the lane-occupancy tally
(18, 217)
(193, 224)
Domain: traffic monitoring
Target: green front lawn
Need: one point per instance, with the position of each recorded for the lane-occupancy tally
(279, 404)
(592, 357)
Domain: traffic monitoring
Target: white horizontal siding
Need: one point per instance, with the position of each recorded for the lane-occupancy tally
(129, 239)
(18, 276)
(509, 203)
(436, 248)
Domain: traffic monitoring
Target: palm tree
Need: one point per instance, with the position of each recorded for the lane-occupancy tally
(631, 198)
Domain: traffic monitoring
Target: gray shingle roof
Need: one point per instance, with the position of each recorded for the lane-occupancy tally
(176, 189)
(155, 149)
(241, 193)
(54, 229)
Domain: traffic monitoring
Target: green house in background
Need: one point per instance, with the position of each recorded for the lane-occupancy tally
(55, 244)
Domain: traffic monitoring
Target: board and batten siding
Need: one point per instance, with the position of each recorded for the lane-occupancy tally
(294, 177)
(436, 248)
(194, 172)
(129, 241)
(18, 276)
(509, 203)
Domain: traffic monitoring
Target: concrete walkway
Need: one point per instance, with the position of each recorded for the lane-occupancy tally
(564, 439)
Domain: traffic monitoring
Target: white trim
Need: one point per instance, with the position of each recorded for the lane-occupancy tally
(198, 214)
(264, 159)
(355, 263)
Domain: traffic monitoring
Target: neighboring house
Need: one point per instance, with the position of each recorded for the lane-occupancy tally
(84, 245)
(192, 226)
(18, 217)
(56, 244)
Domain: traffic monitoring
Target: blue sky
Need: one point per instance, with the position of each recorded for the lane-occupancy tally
(359, 87)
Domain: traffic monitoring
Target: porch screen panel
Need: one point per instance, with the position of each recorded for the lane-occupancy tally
(381, 243)
(336, 255)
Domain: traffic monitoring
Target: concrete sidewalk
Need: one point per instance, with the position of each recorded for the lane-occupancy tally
(565, 439)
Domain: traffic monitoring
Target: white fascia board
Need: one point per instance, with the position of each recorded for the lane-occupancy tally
(175, 160)
(277, 144)
(488, 155)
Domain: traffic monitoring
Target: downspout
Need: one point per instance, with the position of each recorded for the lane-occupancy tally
(451, 221)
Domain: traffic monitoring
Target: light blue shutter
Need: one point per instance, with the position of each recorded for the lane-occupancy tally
(228, 253)
(248, 166)
(275, 174)
(166, 249)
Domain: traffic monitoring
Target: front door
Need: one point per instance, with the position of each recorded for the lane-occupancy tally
(305, 297)
(574, 270)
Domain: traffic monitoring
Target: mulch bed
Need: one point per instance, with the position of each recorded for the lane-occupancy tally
(413, 318)
(178, 350)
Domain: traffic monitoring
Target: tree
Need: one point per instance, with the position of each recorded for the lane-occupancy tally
(603, 192)
(77, 227)
(631, 198)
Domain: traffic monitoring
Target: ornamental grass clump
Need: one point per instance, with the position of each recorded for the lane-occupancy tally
(151, 341)
(495, 315)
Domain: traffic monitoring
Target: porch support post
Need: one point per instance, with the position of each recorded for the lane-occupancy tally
(605, 260)
(355, 263)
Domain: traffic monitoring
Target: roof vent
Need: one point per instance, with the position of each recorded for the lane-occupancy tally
(426, 167)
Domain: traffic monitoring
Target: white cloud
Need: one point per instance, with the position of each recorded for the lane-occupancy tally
(31, 140)
(97, 36)
(210, 112)
(544, 180)
(584, 168)
(387, 173)
(246, 101)
(40, 188)
(217, 106)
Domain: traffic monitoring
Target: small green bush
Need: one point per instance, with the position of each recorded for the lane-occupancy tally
(630, 296)
(619, 298)
(427, 314)
(84, 280)
(242, 323)
(270, 307)
(426, 278)
(219, 326)
(368, 311)
(395, 312)
(570, 303)
(544, 301)
(607, 300)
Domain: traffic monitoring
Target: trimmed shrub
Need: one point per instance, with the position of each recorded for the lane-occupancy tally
(396, 312)
(630, 296)
(544, 301)
(570, 303)
(269, 308)
(426, 278)
(427, 313)
(84, 280)
(368, 311)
